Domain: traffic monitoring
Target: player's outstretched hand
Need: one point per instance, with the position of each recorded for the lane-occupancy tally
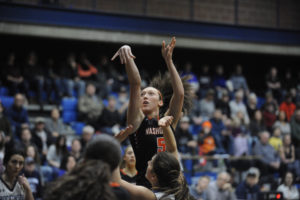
(123, 134)
(165, 121)
(167, 50)
(125, 54)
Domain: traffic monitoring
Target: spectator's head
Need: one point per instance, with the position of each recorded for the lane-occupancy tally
(90, 89)
(218, 114)
(297, 115)
(228, 123)
(202, 183)
(288, 74)
(188, 67)
(252, 176)
(219, 70)
(105, 148)
(39, 123)
(258, 115)
(205, 69)
(277, 131)
(31, 151)
(210, 95)
(1, 108)
(288, 98)
(71, 162)
(128, 158)
(123, 95)
(32, 58)
(29, 164)
(76, 146)
(60, 142)
(206, 127)
(87, 133)
(2, 140)
(239, 96)
(236, 122)
(270, 108)
(19, 100)
(104, 60)
(11, 58)
(112, 102)
(269, 97)
(14, 162)
(71, 58)
(252, 99)
(239, 69)
(287, 140)
(225, 96)
(240, 115)
(185, 123)
(26, 135)
(273, 71)
(222, 179)
(288, 179)
(55, 114)
(282, 116)
(264, 137)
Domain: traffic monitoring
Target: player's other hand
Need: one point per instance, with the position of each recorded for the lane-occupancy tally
(167, 50)
(124, 53)
(165, 121)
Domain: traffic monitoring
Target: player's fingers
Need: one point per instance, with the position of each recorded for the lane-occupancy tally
(163, 45)
(114, 57)
(121, 56)
(173, 42)
(130, 54)
(125, 55)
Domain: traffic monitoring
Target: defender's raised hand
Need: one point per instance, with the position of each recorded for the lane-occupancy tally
(167, 50)
(123, 134)
(125, 54)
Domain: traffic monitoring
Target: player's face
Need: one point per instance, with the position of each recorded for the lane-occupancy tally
(149, 173)
(129, 157)
(150, 100)
(15, 164)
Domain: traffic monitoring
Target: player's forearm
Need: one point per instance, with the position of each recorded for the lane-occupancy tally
(175, 78)
(170, 141)
(28, 194)
(133, 74)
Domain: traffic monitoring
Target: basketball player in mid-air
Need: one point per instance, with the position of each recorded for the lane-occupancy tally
(165, 97)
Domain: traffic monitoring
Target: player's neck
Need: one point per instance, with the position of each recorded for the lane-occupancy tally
(130, 170)
(9, 179)
(153, 114)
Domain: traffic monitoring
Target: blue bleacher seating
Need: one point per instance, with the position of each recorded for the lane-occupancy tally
(188, 178)
(77, 127)
(7, 101)
(260, 102)
(188, 165)
(4, 91)
(69, 104)
(69, 116)
(105, 102)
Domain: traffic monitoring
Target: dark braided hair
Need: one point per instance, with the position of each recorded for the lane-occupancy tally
(170, 178)
(164, 85)
(88, 180)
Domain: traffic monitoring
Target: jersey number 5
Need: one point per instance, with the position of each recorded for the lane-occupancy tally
(161, 145)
